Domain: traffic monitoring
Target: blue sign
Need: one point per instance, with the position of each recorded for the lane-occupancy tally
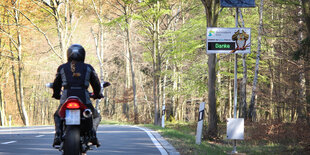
(238, 3)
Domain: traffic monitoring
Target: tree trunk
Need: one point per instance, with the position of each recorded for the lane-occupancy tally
(307, 83)
(175, 89)
(155, 84)
(243, 88)
(301, 98)
(35, 108)
(219, 88)
(244, 80)
(211, 10)
(230, 92)
(16, 94)
(99, 53)
(272, 83)
(2, 110)
(164, 89)
(127, 83)
(60, 34)
(132, 71)
(21, 93)
(20, 67)
(260, 31)
(271, 64)
(148, 114)
(156, 65)
(306, 14)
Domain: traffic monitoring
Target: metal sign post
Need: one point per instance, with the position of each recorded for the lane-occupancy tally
(200, 122)
(231, 41)
(236, 125)
(235, 86)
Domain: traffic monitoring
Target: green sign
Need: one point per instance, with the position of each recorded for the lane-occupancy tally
(225, 46)
(221, 45)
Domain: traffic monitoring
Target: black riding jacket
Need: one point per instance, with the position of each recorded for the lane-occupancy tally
(77, 83)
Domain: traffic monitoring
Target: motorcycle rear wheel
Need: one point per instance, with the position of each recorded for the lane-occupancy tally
(72, 141)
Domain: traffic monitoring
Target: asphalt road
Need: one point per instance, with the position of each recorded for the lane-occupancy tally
(114, 140)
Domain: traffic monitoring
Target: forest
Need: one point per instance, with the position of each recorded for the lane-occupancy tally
(153, 52)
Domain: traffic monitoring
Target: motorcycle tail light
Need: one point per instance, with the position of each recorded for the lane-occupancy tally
(73, 105)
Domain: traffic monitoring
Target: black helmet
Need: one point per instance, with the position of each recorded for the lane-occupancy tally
(76, 52)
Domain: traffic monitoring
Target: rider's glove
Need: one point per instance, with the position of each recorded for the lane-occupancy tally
(98, 96)
(56, 96)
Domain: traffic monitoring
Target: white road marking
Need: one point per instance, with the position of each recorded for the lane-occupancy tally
(8, 142)
(38, 136)
(25, 129)
(154, 140)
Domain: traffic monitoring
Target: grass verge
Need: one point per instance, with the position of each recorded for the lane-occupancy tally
(182, 137)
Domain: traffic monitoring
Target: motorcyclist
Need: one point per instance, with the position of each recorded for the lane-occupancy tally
(75, 77)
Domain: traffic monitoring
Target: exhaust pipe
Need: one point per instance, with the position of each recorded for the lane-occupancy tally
(87, 113)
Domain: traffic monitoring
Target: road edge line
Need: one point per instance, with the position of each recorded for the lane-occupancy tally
(169, 148)
(161, 149)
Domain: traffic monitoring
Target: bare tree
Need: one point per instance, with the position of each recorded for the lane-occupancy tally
(260, 31)
(151, 22)
(64, 20)
(125, 7)
(211, 9)
(306, 15)
(2, 110)
(243, 112)
(16, 45)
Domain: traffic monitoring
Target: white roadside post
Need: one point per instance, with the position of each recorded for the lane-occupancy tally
(10, 120)
(200, 122)
(163, 117)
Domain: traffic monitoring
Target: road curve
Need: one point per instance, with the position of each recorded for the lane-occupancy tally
(115, 140)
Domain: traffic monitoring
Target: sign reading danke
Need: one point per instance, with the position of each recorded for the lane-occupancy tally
(228, 40)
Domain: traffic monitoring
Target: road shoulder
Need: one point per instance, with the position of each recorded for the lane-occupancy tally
(165, 144)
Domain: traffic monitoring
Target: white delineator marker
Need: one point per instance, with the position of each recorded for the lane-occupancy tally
(163, 117)
(200, 122)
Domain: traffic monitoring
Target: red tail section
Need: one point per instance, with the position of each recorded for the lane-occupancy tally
(71, 103)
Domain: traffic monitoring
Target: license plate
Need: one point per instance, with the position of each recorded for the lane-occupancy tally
(73, 117)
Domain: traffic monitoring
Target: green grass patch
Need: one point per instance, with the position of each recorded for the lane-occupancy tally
(182, 137)
(112, 122)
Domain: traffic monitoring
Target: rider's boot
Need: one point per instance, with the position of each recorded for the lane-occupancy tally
(96, 121)
(94, 140)
(57, 138)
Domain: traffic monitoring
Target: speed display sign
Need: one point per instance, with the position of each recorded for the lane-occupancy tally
(228, 40)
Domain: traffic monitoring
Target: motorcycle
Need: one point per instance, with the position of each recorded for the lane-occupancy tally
(77, 123)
